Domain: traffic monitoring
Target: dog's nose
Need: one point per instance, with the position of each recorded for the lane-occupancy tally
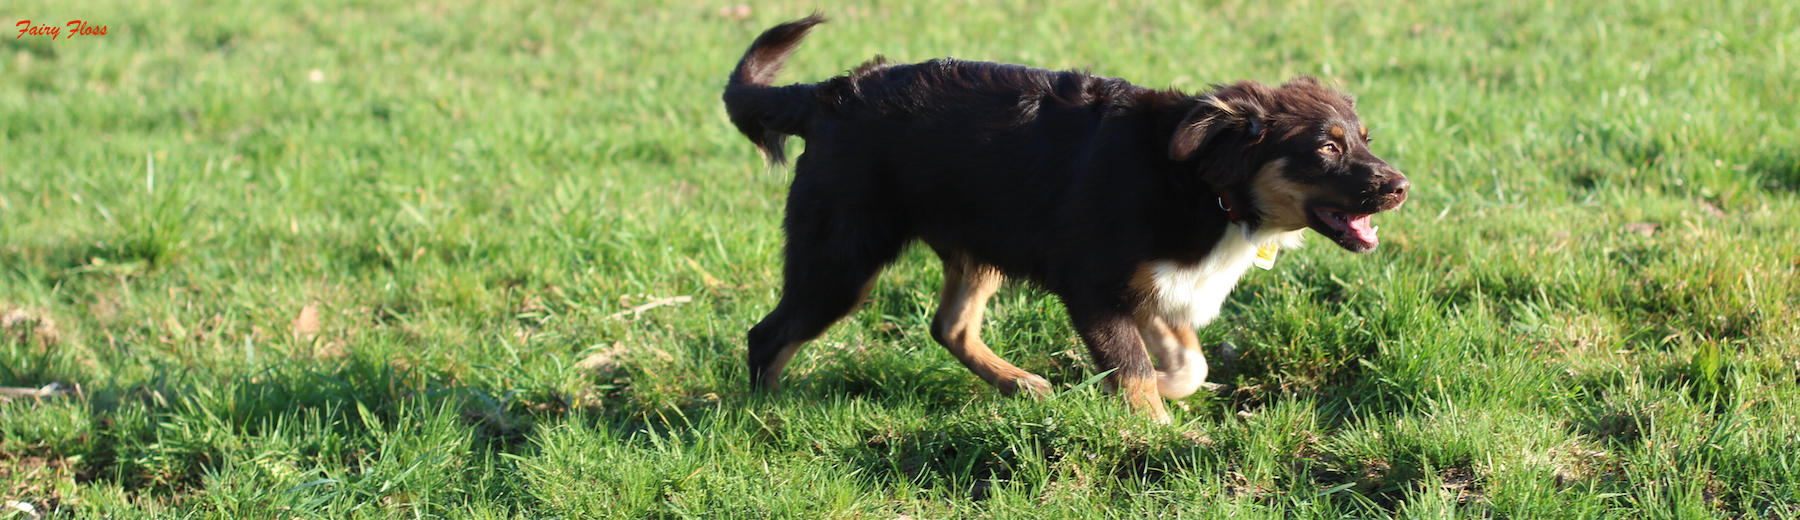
(1396, 186)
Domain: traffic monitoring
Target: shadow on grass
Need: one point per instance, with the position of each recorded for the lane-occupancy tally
(1778, 171)
(1616, 408)
(165, 436)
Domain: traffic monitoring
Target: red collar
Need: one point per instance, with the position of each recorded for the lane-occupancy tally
(1231, 210)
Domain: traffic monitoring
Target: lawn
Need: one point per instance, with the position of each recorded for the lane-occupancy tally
(496, 259)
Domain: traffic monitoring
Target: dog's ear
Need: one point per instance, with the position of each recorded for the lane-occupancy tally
(1211, 118)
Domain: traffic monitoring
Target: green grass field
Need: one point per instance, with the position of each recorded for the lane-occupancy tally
(371, 259)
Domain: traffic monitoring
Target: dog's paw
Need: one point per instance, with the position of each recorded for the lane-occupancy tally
(1030, 385)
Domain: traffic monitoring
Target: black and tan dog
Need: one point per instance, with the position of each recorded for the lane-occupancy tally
(1139, 208)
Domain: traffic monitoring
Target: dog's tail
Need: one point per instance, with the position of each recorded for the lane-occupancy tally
(767, 115)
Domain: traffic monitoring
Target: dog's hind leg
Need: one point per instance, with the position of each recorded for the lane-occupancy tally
(830, 266)
(957, 326)
(1183, 367)
(808, 307)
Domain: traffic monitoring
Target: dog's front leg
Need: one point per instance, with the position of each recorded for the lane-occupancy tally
(1182, 368)
(1112, 339)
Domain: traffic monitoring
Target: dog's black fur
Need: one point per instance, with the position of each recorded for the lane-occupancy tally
(1074, 181)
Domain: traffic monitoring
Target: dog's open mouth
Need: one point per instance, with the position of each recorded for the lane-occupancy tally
(1353, 231)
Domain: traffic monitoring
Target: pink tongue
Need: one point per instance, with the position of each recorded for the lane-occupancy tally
(1357, 226)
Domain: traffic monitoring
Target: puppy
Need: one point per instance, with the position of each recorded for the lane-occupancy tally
(1138, 208)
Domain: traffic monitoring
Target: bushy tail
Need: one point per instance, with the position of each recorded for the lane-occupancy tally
(767, 115)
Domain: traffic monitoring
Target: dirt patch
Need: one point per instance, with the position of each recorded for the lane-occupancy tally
(1463, 483)
(36, 480)
(24, 326)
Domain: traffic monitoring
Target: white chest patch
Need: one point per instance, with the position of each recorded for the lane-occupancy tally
(1193, 293)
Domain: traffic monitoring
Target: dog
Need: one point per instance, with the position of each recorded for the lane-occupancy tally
(1139, 208)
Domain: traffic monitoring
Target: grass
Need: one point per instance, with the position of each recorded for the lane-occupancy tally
(366, 259)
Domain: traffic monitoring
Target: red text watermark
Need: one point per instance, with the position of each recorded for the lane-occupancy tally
(75, 27)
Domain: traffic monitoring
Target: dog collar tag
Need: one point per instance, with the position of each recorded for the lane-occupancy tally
(1265, 257)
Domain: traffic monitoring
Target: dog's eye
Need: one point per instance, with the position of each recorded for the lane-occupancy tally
(1329, 149)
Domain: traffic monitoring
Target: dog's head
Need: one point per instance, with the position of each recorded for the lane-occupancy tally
(1296, 154)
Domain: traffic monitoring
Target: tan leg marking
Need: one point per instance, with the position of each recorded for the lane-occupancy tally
(1181, 366)
(957, 327)
(1140, 395)
(771, 380)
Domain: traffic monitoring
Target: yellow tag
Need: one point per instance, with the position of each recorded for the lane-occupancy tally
(1265, 257)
